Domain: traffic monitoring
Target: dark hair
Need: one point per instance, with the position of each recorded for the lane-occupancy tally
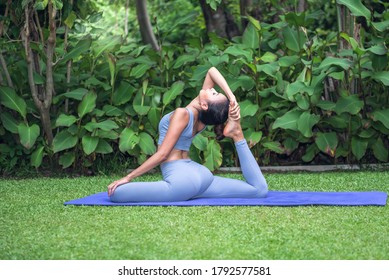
(216, 115)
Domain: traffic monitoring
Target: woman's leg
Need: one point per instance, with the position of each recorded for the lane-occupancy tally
(182, 180)
(255, 185)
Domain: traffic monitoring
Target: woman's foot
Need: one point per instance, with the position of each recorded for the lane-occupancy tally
(233, 128)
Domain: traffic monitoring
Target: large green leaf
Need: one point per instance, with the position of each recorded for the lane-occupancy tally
(113, 135)
(67, 159)
(154, 116)
(381, 26)
(128, 140)
(350, 104)
(247, 108)
(103, 147)
(200, 72)
(326, 105)
(112, 111)
(28, 134)
(183, 59)
(112, 67)
(82, 46)
(141, 103)
(382, 116)
(76, 94)
(251, 37)
(41, 5)
(274, 146)
(310, 153)
(11, 100)
(139, 70)
(200, 142)
(379, 63)
(270, 69)
(380, 151)
(94, 82)
(243, 81)
(358, 147)
(57, 4)
(356, 7)
(336, 121)
(146, 143)
(106, 125)
(327, 142)
(9, 122)
(306, 122)
(302, 101)
(253, 138)
(176, 89)
(37, 157)
(109, 44)
(288, 120)
(89, 143)
(382, 76)
(123, 93)
(287, 61)
(379, 49)
(63, 141)
(295, 19)
(215, 60)
(294, 40)
(65, 120)
(335, 61)
(239, 51)
(213, 156)
(255, 23)
(360, 51)
(302, 19)
(87, 104)
(71, 18)
(295, 88)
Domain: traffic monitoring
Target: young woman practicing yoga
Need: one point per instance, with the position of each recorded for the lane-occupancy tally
(183, 178)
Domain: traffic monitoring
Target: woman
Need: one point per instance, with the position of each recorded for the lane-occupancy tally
(183, 178)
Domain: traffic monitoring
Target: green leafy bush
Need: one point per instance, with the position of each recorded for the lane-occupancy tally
(303, 98)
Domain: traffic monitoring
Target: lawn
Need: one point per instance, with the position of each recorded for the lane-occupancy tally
(36, 225)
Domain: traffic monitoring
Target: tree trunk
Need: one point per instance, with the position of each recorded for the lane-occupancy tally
(347, 24)
(126, 18)
(2, 60)
(245, 7)
(42, 96)
(302, 6)
(145, 27)
(220, 21)
(5, 70)
(68, 64)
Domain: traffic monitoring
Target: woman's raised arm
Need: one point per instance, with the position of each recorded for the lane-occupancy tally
(215, 77)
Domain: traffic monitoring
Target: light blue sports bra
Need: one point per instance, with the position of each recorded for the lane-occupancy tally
(186, 137)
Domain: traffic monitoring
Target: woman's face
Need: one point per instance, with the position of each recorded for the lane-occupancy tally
(211, 95)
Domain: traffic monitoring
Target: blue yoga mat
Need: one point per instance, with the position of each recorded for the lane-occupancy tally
(274, 198)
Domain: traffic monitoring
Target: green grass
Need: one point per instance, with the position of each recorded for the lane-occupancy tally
(36, 225)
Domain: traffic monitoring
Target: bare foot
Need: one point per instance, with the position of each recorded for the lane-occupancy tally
(233, 130)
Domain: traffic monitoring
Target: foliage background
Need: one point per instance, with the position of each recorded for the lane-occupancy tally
(312, 85)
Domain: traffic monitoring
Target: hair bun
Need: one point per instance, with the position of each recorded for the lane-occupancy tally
(218, 129)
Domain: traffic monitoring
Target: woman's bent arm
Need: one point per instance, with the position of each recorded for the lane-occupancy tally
(215, 77)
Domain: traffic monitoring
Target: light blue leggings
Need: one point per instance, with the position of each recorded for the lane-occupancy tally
(185, 179)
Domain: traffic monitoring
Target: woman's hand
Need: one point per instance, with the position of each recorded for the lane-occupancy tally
(234, 111)
(112, 187)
